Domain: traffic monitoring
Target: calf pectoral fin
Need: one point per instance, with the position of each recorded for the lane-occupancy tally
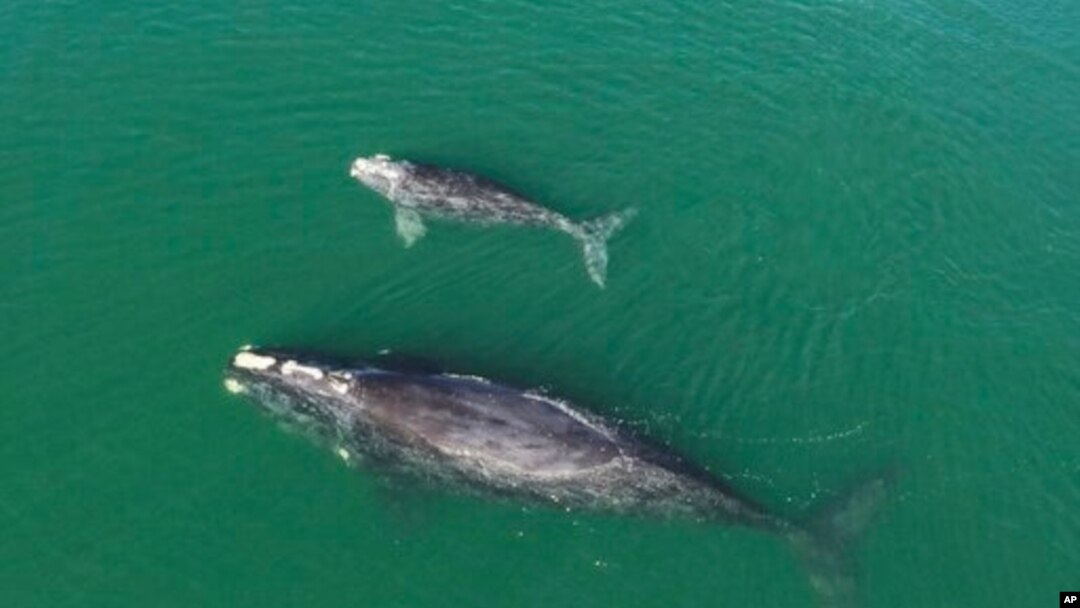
(410, 226)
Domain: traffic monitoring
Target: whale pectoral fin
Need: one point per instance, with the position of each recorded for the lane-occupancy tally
(410, 227)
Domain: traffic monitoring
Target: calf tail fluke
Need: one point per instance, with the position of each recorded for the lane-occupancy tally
(594, 235)
(824, 542)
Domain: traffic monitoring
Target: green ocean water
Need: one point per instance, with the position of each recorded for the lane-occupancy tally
(858, 246)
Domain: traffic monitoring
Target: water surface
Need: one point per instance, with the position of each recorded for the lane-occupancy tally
(858, 245)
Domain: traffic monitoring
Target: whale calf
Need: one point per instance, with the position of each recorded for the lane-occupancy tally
(471, 434)
(419, 190)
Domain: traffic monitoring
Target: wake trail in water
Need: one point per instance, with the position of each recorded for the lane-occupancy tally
(813, 438)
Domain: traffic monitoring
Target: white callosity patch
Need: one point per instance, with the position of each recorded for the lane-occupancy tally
(233, 386)
(339, 386)
(291, 368)
(246, 360)
(359, 168)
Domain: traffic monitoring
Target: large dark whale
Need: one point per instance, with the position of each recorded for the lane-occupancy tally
(468, 433)
(418, 190)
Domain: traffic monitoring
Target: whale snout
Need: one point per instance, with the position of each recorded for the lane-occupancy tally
(270, 364)
(359, 168)
(256, 367)
(364, 165)
(283, 371)
(379, 173)
(304, 391)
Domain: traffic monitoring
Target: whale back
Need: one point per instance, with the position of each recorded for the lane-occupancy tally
(486, 426)
(451, 193)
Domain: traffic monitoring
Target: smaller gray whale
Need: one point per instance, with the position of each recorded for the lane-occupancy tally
(418, 191)
(470, 434)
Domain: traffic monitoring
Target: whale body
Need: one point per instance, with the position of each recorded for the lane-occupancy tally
(467, 433)
(419, 190)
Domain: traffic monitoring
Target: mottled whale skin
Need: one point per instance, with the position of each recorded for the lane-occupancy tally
(418, 191)
(468, 433)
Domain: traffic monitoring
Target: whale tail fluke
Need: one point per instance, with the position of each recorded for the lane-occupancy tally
(594, 235)
(824, 541)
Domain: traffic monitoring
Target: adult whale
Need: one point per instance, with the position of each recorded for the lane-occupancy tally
(418, 190)
(469, 433)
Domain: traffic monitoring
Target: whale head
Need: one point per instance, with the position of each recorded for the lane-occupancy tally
(306, 391)
(380, 173)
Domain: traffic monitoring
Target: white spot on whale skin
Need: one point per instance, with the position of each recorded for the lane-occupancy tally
(291, 367)
(340, 387)
(233, 386)
(246, 360)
